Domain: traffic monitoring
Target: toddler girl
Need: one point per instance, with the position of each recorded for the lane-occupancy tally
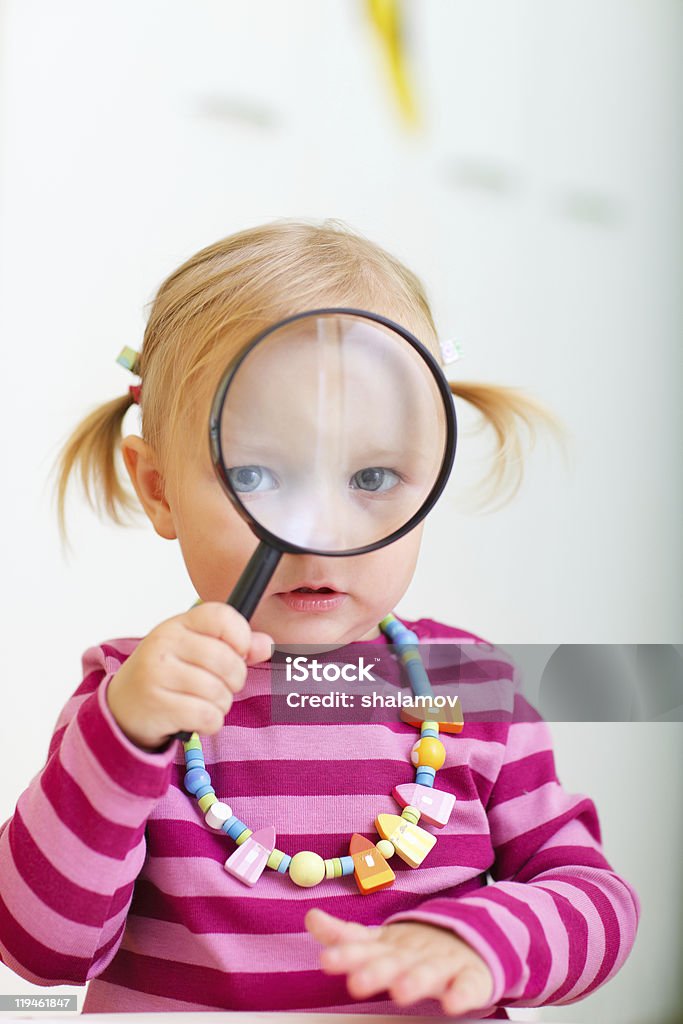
(110, 871)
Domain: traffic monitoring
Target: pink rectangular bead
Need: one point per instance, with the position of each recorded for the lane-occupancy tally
(249, 860)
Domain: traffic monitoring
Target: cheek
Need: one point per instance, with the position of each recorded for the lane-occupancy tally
(210, 528)
(394, 563)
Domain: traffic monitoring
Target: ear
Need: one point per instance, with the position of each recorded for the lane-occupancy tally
(145, 475)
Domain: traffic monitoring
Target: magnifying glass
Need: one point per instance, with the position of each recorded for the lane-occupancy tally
(333, 433)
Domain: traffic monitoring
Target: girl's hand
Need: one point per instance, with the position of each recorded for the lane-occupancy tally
(184, 673)
(410, 959)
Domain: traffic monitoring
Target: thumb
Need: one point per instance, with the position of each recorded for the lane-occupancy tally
(260, 648)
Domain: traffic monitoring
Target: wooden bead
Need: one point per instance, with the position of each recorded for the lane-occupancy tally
(207, 801)
(307, 868)
(449, 719)
(217, 814)
(428, 751)
(386, 849)
(283, 866)
(412, 843)
(275, 859)
(247, 863)
(371, 870)
(347, 865)
(411, 814)
(434, 805)
(196, 779)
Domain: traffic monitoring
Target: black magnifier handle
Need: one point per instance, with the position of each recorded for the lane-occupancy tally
(249, 589)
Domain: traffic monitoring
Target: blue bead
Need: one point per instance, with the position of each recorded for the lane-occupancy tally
(407, 637)
(227, 825)
(419, 680)
(424, 776)
(430, 732)
(194, 762)
(203, 790)
(283, 866)
(347, 865)
(236, 829)
(195, 779)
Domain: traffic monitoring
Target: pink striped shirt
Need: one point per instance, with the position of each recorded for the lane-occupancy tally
(109, 873)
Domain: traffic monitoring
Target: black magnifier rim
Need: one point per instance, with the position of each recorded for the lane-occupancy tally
(215, 442)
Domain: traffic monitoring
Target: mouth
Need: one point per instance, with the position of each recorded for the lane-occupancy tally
(313, 588)
(311, 598)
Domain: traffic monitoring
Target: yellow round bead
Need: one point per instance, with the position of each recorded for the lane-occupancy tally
(385, 848)
(428, 751)
(307, 868)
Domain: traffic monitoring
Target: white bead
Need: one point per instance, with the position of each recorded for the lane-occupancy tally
(217, 814)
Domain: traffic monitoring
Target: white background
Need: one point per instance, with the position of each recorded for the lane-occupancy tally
(540, 203)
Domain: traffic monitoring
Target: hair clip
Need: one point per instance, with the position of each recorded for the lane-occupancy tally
(450, 351)
(134, 391)
(129, 358)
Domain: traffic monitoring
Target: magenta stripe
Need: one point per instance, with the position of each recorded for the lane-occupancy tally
(57, 891)
(118, 651)
(519, 777)
(609, 919)
(296, 990)
(561, 856)
(255, 713)
(74, 809)
(523, 711)
(91, 681)
(304, 778)
(539, 958)
(61, 969)
(186, 841)
(56, 740)
(513, 855)
(249, 916)
(478, 928)
(140, 773)
(577, 930)
(105, 953)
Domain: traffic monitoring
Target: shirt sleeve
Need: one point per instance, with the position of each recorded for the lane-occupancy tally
(557, 922)
(71, 852)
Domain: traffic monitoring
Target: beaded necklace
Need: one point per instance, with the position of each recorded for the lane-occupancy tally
(401, 835)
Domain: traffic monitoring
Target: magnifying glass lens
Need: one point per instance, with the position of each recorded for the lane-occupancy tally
(332, 432)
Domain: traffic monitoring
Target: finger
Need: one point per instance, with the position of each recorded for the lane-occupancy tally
(379, 973)
(190, 713)
(212, 655)
(329, 930)
(197, 682)
(261, 648)
(471, 989)
(220, 621)
(345, 956)
(425, 979)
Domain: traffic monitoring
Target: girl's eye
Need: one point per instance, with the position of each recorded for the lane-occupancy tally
(375, 478)
(246, 479)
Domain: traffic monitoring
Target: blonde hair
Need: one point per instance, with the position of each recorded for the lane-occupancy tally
(208, 309)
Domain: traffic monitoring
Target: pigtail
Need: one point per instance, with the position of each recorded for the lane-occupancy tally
(92, 449)
(503, 408)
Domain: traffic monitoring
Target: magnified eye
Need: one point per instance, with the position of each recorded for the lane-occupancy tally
(375, 478)
(247, 479)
